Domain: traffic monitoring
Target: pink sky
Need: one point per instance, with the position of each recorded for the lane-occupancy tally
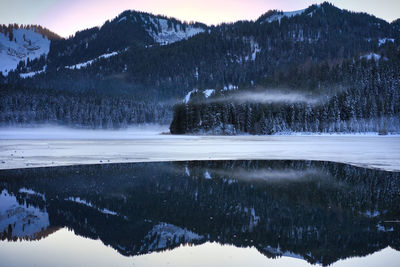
(95, 12)
(65, 17)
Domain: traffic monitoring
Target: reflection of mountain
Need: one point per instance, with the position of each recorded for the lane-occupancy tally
(165, 235)
(22, 221)
(319, 211)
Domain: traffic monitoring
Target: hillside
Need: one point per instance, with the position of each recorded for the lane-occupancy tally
(237, 53)
(157, 59)
(23, 43)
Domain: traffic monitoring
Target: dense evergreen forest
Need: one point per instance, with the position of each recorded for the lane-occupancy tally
(356, 96)
(30, 107)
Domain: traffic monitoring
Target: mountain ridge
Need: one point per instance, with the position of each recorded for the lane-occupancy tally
(149, 31)
(153, 59)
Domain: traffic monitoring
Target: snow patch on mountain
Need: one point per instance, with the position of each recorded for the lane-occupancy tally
(122, 19)
(371, 214)
(207, 175)
(255, 49)
(208, 92)
(371, 56)
(187, 97)
(168, 33)
(89, 62)
(31, 74)
(31, 192)
(383, 41)
(280, 15)
(383, 228)
(26, 44)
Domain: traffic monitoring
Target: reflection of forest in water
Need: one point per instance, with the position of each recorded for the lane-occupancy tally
(319, 211)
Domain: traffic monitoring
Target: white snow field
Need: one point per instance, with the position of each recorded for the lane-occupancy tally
(58, 146)
(27, 43)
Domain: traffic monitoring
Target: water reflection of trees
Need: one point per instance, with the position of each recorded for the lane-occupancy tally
(320, 211)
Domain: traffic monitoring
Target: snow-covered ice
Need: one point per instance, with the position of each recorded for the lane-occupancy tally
(40, 147)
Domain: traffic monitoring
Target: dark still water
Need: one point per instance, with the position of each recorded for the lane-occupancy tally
(206, 213)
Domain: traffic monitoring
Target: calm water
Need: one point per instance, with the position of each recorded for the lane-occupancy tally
(215, 213)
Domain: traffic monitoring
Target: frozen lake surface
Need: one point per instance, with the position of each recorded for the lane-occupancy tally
(58, 146)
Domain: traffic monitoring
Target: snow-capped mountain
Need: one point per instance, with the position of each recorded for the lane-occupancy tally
(131, 29)
(127, 43)
(21, 44)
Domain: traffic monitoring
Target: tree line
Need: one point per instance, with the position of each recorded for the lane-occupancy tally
(24, 107)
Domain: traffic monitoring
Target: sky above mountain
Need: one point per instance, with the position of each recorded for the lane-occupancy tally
(65, 17)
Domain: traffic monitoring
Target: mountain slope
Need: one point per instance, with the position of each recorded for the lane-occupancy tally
(23, 43)
(156, 59)
(129, 29)
(237, 53)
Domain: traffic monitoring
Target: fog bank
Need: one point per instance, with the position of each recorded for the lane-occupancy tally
(52, 132)
(269, 97)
